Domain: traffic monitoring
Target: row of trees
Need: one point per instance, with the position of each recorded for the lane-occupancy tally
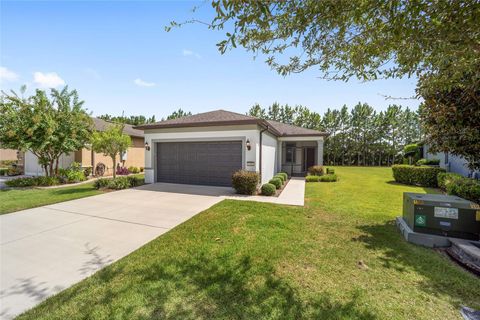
(55, 124)
(141, 119)
(360, 136)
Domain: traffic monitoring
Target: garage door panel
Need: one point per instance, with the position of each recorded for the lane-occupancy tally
(209, 163)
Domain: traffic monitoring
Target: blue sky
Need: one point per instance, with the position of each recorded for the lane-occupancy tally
(119, 58)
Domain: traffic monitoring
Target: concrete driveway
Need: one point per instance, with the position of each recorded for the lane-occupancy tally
(47, 249)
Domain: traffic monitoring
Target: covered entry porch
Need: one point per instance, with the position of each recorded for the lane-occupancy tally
(297, 154)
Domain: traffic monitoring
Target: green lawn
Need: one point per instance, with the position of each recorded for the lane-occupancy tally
(340, 257)
(19, 199)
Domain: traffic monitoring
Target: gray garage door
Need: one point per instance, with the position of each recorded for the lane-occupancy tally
(208, 163)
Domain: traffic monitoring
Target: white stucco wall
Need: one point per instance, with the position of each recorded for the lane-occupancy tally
(32, 168)
(269, 155)
(230, 133)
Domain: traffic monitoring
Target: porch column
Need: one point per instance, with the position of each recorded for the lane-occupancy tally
(279, 157)
(320, 152)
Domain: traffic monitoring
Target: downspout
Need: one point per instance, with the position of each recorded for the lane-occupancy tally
(260, 153)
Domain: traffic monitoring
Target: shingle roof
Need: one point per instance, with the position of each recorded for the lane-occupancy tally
(222, 117)
(102, 125)
(290, 130)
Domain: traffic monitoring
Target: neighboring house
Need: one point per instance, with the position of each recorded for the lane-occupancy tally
(207, 148)
(87, 158)
(451, 163)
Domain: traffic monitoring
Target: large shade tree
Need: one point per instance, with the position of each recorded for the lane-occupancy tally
(48, 125)
(436, 41)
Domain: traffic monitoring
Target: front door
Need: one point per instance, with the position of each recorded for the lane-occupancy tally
(309, 158)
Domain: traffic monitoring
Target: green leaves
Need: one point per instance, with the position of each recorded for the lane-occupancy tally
(46, 126)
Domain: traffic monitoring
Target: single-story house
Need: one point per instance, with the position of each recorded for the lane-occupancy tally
(87, 158)
(451, 163)
(207, 148)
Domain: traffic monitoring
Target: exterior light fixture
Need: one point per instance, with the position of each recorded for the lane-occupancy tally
(248, 144)
(147, 147)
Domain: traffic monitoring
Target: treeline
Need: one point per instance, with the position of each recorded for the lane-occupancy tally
(139, 120)
(360, 136)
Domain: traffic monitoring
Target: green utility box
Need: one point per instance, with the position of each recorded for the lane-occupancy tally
(442, 215)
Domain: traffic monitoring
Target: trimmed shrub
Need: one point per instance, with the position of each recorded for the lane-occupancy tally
(13, 171)
(134, 181)
(277, 182)
(328, 178)
(21, 182)
(33, 182)
(428, 162)
(119, 183)
(284, 174)
(142, 169)
(464, 188)
(133, 169)
(312, 178)
(101, 183)
(268, 189)
(47, 181)
(245, 182)
(3, 171)
(444, 178)
(330, 171)
(315, 170)
(281, 177)
(418, 176)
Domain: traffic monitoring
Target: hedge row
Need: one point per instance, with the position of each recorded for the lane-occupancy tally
(324, 178)
(118, 183)
(416, 175)
(458, 185)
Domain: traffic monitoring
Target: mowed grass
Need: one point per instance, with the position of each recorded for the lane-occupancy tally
(12, 200)
(339, 257)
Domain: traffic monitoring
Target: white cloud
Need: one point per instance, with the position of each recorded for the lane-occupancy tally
(141, 83)
(190, 53)
(48, 80)
(7, 75)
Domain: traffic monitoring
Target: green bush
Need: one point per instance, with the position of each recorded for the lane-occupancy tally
(47, 181)
(33, 182)
(21, 182)
(428, 162)
(418, 176)
(277, 182)
(245, 182)
(315, 170)
(312, 178)
(330, 171)
(74, 173)
(14, 171)
(134, 169)
(284, 174)
(3, 171)
(87, 171)
(268, 189)
(101, 183)
(328, 178)
(464, 188)
(444, 178)
(134, 181)
(119, 183)
(142, 169)
(281, 177)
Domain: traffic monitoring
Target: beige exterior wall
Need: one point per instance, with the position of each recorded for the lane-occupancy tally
(135, 157)
(8, 154)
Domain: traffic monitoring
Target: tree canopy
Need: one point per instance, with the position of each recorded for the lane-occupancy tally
(46, 126)
(363, 39)
(112, 143)
(132, 120)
